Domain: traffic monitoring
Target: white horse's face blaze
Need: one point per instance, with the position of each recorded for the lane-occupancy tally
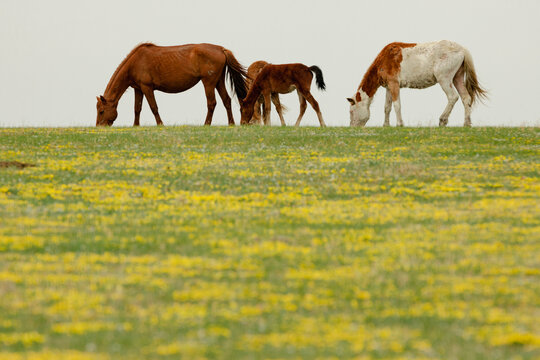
(359, 112)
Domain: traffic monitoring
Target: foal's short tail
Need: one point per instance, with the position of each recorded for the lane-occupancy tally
(476, 92)
(237, 75)
(318, 77)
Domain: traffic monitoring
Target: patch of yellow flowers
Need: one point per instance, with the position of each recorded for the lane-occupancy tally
(309, 260)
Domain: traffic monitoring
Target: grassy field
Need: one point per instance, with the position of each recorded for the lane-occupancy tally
(270, 243)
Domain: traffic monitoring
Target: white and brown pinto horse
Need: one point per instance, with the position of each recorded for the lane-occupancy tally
(418, 66)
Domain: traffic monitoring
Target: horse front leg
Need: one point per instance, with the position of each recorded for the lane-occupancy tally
(303, 107)
(266, 108)
(279, 108)
(387, 108)
(394, 92)
(257, 115)
(149, 93)
(314, 104)
(464, 94)
(210, 102)
(138, 106)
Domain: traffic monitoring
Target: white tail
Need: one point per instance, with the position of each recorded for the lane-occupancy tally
(476, 92)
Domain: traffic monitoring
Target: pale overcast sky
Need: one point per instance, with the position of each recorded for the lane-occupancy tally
(57, 55)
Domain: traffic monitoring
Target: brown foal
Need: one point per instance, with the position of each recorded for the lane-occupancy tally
(282, 79)
(252, 72)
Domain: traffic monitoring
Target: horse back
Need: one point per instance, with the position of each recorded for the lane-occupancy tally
(176, 68)
(423, 64)
(283, 78)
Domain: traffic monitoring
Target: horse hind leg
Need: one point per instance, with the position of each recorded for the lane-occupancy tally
(279, 108)
(459, 84)
(315, 105)
(303, 107)
(452, 96)
(445, 71)
(226, 99)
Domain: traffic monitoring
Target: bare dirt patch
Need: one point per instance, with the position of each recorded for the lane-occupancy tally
(15, 164)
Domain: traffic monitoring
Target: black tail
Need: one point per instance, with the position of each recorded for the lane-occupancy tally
(318, 77)
(237, 75)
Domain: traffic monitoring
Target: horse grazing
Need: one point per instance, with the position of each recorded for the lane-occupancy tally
(172, 69)
(418, 66)
(252, 72)
(282, 79)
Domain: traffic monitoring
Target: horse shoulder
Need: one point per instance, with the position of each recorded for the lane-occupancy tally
(268, 71)
(141, 65)
(388, 62)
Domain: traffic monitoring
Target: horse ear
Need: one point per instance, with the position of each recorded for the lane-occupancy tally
(103, 100)
(351, 100)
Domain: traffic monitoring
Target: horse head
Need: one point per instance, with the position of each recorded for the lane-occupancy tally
(246, 112)
(359, 110)
(106, 112)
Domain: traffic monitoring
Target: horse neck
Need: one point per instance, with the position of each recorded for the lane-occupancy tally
(253, 94)
(371, 82)
(117, 84)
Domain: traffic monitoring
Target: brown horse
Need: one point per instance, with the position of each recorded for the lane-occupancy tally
(252, 72)
(172, 69)
(283, 79)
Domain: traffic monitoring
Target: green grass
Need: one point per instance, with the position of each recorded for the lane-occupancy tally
(270, 243)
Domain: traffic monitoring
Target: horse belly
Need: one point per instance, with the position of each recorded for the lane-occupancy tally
(175, 84)
(417, 81)
(284, 89)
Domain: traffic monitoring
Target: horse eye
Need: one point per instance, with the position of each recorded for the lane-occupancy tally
(101, 112)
